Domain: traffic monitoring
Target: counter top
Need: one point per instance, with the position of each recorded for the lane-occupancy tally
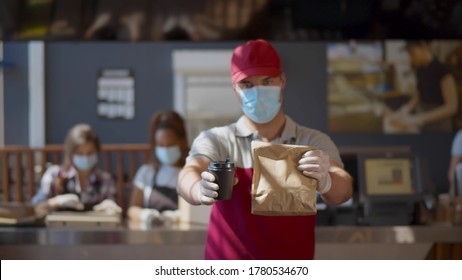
(196, 234)
(186, 241)
(389, 234)
(181, 234)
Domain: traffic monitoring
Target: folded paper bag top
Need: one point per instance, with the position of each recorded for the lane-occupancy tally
(278, 187)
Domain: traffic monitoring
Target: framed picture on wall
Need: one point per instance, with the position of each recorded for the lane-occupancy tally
(394, 86)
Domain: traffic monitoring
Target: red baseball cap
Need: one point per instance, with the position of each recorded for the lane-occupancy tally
(256, 57)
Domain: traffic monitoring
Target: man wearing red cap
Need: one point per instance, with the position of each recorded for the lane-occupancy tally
(235, 233)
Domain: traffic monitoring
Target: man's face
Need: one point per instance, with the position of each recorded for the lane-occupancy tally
(260, 80)
(260, 97)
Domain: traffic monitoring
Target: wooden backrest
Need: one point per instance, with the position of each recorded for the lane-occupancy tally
(22, 167)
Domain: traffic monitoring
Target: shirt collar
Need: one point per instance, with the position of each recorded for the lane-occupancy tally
(242, 130)
(288, 135)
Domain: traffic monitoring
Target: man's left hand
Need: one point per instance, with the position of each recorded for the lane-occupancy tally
(315, 164)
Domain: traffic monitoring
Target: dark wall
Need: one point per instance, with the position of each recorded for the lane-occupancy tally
(72, 70)
(16, 80)
(305, 96)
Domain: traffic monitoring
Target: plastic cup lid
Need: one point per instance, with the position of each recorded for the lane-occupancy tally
(222, 164)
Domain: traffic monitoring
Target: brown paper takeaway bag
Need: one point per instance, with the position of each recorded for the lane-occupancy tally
(278, 187)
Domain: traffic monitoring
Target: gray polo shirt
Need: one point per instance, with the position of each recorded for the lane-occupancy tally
(235, 140)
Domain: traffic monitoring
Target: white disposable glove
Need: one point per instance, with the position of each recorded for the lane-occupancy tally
(108, 206)
(170, 216)
(68, 200)
(315, 164)
(207, 188)
(149, 215)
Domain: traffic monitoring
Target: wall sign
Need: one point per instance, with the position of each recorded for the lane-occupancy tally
(116, 94)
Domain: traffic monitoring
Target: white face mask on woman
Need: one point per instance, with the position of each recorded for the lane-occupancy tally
(85, 163)
(168, 155)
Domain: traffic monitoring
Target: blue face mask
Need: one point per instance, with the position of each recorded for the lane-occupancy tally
(168, 155)
(84, 163)
(261, 103)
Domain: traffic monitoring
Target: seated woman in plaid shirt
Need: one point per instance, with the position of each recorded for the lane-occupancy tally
(78, 183)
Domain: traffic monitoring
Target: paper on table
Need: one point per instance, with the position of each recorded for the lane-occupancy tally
(278, 187)
(12, 213)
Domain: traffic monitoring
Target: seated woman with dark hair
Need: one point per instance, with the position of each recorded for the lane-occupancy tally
(154, 197)
(78, 183)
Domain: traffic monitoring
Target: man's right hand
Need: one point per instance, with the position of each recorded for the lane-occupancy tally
(207, 188)
(69, 200)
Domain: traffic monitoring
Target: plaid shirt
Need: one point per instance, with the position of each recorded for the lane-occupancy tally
(100, 186)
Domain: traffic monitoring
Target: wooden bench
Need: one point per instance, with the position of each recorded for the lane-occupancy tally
(22, 167)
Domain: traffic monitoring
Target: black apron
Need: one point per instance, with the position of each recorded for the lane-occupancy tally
(162, 197)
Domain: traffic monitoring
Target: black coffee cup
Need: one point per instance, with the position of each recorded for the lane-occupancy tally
(224, 178)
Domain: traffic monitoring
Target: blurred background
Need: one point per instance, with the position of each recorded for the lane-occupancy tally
(113, 63)
(211, 20)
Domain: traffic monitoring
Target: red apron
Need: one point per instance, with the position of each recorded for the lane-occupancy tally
(234, 233)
